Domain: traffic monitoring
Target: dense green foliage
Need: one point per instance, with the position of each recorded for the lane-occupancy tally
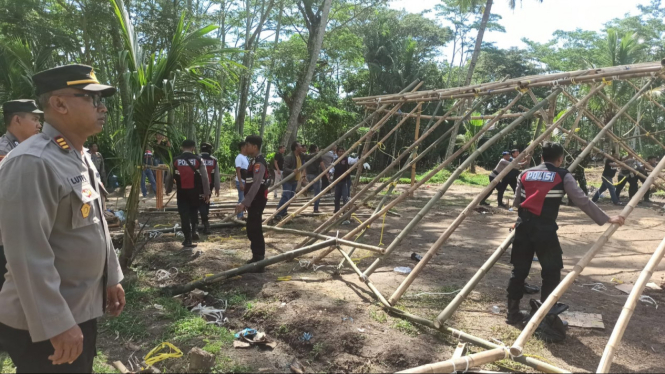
(368, 49)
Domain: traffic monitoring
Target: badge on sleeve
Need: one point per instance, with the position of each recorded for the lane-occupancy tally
(257, 168)
(85, 210)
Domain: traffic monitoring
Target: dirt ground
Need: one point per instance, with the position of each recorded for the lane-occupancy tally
(350, 332)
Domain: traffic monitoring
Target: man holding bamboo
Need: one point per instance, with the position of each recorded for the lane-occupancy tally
(540, 191)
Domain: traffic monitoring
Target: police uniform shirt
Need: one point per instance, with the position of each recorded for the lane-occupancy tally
(542, 179)
(56, 238)
(257, 174)
(7, 143)
(499, 167)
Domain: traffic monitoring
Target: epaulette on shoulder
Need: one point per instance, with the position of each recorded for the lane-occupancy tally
(61, 142)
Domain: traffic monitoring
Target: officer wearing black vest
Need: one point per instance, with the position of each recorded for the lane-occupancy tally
(256, 197)
(538, 197)
(189, 172)
(212, 167)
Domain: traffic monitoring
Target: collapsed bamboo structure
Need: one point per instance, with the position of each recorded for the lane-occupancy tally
(544, 91)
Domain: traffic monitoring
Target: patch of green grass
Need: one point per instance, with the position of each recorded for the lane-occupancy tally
(213, 347)
(282, 330)
(317, 349)
(227, 365)
(378, 315)
(249, 306)
(405, 327)
(100, 365)
(196, 327)
(233, 298)
(6, 364)
(131, 324)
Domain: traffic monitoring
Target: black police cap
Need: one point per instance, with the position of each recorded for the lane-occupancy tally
(76, 76)
(20, 106)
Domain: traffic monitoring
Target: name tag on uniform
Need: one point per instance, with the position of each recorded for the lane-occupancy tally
(540, 176)
(82, 187)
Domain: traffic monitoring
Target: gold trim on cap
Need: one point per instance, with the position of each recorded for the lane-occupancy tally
(84, 81)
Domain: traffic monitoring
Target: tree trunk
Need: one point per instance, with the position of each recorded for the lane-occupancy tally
(132, 208)
(318, 28)
(266, 101)
(479, 42)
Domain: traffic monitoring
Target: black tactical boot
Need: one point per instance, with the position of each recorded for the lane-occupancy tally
(206, 228)
(188, 242)
(515, 315)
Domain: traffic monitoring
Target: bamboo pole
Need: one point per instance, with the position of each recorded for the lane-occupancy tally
(480, 274)
(574, 128)
(413, 168)
(287, 256)
(340, 179)
(466, 362)
(637, 123)
(629, 308)
(611, 134)
(454, 118)
(516, 349)
(414, 86)
(648, 134)
(319, 236)
(400, 197)
(332, 165)
(614, 159)
(421, 214)
(587, 76)
(349, 208)
(462, 216)
(529, 361)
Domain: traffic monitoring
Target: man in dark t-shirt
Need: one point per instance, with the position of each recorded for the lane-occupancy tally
(608, 174)
(278, 165)
(312, 171)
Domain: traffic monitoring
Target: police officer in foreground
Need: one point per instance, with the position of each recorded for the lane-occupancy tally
(538, 197)
(191, 177)
(212, 167)
(22, 119)
(256, 197)
(63, 272)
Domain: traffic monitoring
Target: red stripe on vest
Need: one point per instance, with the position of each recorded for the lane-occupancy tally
(536, 184)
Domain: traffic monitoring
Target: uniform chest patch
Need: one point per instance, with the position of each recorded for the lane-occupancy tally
(540, 176)
(209, 162)
(85, 210)
(186, 162)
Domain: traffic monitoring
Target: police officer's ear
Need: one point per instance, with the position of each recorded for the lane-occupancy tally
(58, 104)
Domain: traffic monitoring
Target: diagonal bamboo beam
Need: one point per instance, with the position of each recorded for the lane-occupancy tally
(466, 362)
(333, 164)
(421, 214)
(414, 86)
(629, 308)
(518, 346)
(491, 261)
(462, 216)
(340, 179)
(614, 159)
(400, 198)
(614, 137)
(637, 123)
(350, 207)
(580, 114)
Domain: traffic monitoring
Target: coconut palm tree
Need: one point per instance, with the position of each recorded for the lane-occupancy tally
(471, 5)
(155, 82)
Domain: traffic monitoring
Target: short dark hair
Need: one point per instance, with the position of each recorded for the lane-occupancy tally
(294, 145)
(206, 147)
(340, 148)
(8, 117)
(254, 140)
(280, 147)
(240, 145)
(188, 144)
(312, 148)
(652, 157)
(552, 151)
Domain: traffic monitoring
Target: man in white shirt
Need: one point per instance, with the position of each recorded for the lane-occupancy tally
(242, 163)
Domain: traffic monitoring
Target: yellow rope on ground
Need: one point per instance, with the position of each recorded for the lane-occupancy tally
(174, 352)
